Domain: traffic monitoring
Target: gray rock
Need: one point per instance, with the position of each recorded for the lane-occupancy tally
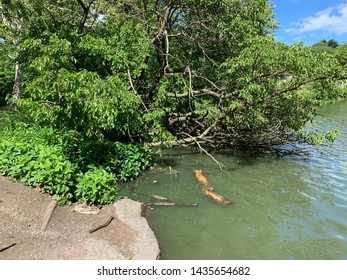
(101, 250)
(145, 246)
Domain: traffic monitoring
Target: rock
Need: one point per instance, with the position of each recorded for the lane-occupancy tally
(68, 236)
(85, 209)
(101, 250)
(146, 246)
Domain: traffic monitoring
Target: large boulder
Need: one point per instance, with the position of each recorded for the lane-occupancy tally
(145, 246)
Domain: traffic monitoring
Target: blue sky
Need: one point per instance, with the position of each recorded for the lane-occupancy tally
(310, 21)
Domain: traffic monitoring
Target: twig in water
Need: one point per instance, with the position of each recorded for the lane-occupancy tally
(221, 165)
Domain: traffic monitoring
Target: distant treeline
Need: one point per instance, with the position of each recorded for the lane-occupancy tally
(333, 48)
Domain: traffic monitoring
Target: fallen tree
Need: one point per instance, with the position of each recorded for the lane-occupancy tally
(206, 73)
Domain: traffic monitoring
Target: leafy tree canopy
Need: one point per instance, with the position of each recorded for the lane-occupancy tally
(341, 54)
(333, 43)
(6, 75)
(179, 72)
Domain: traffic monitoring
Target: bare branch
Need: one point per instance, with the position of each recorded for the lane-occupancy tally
(166, 54)
(201, 92)
(207, 153)
(179, 118)
(207, 80)
(299, 85)
(85, 14)
(221, 166)
(135, 91)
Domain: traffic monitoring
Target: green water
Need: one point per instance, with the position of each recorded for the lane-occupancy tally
(289, 207)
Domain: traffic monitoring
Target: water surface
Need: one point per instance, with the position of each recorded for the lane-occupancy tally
(292, 207)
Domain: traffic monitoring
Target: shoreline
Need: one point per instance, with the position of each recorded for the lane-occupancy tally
(69, 234)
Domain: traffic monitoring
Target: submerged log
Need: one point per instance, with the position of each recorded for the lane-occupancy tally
(167, 203)
(202, 179)
(208, 190)
(158, 197)
(216, 197)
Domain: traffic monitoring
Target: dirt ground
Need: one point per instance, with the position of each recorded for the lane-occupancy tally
(67, 236)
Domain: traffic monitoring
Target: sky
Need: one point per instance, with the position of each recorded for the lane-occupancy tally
(310, 21)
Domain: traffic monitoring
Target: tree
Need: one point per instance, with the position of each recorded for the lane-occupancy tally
(180, 72)
(333, 43)
(341, 54)
(12, 16)
(6, 75)
(323, 47)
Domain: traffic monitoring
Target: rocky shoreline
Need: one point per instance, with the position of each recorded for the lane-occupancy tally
(116, 232)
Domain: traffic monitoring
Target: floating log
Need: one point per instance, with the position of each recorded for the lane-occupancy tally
(102, 225)
(216, 197)
(158, 197)
(48, 215)
(208, 190)
(167, 203)
(202, 179)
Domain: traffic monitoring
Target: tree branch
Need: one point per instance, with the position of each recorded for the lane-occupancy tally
(135, 91)
(201, 92)
(207, 153)
(277, 93)
(85, 14)
(179, 118)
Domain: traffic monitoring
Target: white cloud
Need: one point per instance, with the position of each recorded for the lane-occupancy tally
(332, 20)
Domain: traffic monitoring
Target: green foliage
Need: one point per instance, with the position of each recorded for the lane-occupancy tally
(26, 157)
(64, 164)
(316, 138)
(332, 43)
(341, 55)
(325, 46)
(125, 161)
(96, 186)
(85, 101)
(165, 71)
(264, 84)
(6, 76)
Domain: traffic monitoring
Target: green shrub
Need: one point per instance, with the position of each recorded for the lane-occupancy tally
(35, 164)
(125, 161)
(66, 165)
(96, 186)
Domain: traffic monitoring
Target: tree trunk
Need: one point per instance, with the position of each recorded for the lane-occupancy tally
(18, 79)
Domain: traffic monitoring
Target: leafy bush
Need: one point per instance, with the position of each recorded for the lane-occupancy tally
(125, 161)
(66, 165)
(317, 138)
(96, 186)
(26, 158)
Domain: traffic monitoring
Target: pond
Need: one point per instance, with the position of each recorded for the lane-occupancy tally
(291, 207)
